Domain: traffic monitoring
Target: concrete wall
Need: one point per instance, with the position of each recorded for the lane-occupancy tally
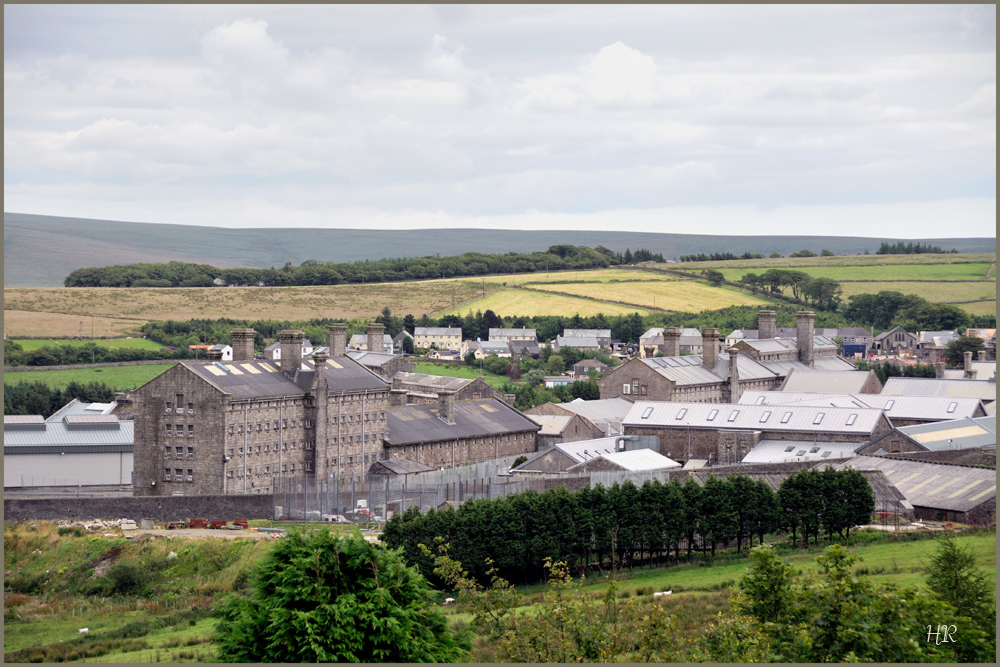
(67, 469)
(167, 508)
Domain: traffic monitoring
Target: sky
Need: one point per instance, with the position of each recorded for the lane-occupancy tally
(847, 120)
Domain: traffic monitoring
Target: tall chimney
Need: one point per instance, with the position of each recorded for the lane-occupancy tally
(291, 351)
(709, 347)
(320, 439)
(804, 320)
(765, 324)
(967, 366)
(376, 338)
(319, 363)
(215, 355)
(671, 342)
(982, 355)
(243, 344)
(338, 339)
(446, 401)
(939, 370)
(734, 376)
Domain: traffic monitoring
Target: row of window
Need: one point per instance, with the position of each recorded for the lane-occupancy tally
(179, 430)
(285, 446)
(179, 452)
(178, 475)
(634, 388)
(266, 470)
(266, 426)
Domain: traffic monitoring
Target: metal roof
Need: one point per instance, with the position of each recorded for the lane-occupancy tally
(587, 333)
(776, 345)
(954, 434)
(76, 407)
(416, 424)
(370, 359)
(437, 331)
(749, 369)
(59, 434)
(23, 423)
(724, 416)
(636, 460)
(895, 407)
(935, 485)
(260, 379)
(434, 381)
(982, 370)
(551, 424)
(835, 381)
(682, 370)
(991, 409)
(783, 451)
(105, 422)
(783, 367)
(982, 389)
(586, 450)
(601, 410)
(938, 337)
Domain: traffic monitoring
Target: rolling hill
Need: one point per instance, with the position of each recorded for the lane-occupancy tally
(39, 250)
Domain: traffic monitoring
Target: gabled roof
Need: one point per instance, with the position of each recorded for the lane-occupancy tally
(551, 424)
(434, 381)
(962, 433)
(982, 389)
(73, 431)
(493, 346)
(513, 332)
(437, 331)
(833, 381)
(370, 359)
(895, 407)
(894, 330)
(775, 345)
(587, 333)
(577, 341)
(605, 409)
(261, 379)
(723, 416)
(75, 407)
(785, 366)
(417, 424)
(982, 370)
(635, 460)
(781, 451)
(398, 466)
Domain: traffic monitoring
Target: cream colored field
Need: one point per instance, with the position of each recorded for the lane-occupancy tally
(523, 302)
(596, 276)
(18, 323)
(686, 295)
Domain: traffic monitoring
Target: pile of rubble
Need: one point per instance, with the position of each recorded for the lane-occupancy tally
(99, 524)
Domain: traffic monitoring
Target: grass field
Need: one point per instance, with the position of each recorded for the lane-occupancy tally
(111, 343)
(683, 295)
(840, 260)
(121, 378)
(594, 276)
(888, 272)
(937, 292)
(62, 325)
(456, 371)
(528, 303)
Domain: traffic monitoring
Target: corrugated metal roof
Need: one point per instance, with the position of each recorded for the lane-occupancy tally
(659, 414)
(783, 367)
(551, 424)
(23, 423)
(58, 435)
(991, 409)
(682, 370)
(835, 381)
(954, 434)
(748, 368)
(603, 409)
(636, 460)
(370, 359)
(434, 381)
(982, 389)
(783, 451)
(934, 485)
(416, 424)
(585, 450)
(76, 422)
(895, 407)
(982, 370)
(76, 407)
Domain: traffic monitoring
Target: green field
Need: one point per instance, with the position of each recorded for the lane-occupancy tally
(888, 272)
(110, 343)
(460, 371)
(840, 260)
(682, 295)
(121, 378)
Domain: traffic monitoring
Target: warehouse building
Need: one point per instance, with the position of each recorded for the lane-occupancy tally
(606, 414)
(847, 382)
(901, 410)
(966, 433)
(985, 390)
(563, 456)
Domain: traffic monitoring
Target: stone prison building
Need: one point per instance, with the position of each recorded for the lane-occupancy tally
(207, 427)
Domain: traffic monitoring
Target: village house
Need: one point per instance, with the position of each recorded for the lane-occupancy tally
(603, 336)
(583, 369)
(484, 348)
(894, 342)
(509, 335)
(443, 338)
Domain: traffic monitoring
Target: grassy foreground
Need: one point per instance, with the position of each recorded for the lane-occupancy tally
(61, 583)
(120, 378)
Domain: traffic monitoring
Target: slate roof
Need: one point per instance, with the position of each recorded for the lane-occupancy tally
(589, 342)
(662, 414)
(551, 424)
(494, 347)
(398, 466)
(753, 334)
(435, 381)
(982, 389)
(417, 424)
(934, 485)
(262, 379)
(587, 333)
(895, 407)
(520, 333)
(437, 331)
(833, 381)
(370, 359)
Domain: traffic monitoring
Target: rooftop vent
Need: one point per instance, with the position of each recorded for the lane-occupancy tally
(92, 422)
(23, 423)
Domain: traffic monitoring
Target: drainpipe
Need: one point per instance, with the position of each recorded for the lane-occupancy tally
(246, 407)
(621, 439)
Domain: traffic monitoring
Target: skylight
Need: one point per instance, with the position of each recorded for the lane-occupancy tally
(760, 399)
(952, 406)
(733, 415)
(680, 415)
(819, 418)
(852, 418)
(712, 414)
(814, 450)
(764, 417)
(789, 448)
(645, 413)
(888, 406)
(786, 417)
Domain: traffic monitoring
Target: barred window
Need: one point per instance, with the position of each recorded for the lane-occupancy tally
(169, 428)
(166, 474)
(190, 430)
(167, 451)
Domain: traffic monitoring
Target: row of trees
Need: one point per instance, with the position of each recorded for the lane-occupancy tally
(911, 248)
(823, 293)
(314, 272)
(887, 369)
(722, 256)
(600, 528)
(38, 398)
(890, 308)
(86, 353)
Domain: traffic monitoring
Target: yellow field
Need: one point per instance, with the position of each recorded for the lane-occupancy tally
(686, 295)
(523, 302)
(937, 292)
(597, 276)
(17, 323)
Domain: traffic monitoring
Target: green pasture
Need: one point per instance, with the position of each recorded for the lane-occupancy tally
(801, 263)
(121, 378)
(460, 371)
(29, 344)
(888, 272)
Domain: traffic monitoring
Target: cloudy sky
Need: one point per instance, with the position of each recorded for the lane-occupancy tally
(691, 119)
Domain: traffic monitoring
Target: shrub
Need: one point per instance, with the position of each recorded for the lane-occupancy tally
(125, 578)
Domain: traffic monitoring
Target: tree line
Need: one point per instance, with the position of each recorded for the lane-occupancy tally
(823, 293)
(889, 308)
(721, 256)
(38, 398)
(612, 527)
(314, 272)
(911, 248)
(87, 353)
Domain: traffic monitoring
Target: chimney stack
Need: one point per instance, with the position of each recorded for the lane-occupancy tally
(319, 363)
(804, 332)
(397, 397)
(967, 366)
(338, 339)
(376, 338)
(291, 351)
(939, 370)
(734, 376)
(982, 355)
(709, 347)
(446, 401)
(243, 344)
(215, 355)
(765, 324)
(671, 342)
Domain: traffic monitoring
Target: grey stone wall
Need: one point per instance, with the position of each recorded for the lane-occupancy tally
(167, 508)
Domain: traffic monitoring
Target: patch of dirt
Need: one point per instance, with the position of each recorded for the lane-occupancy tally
(104, 562)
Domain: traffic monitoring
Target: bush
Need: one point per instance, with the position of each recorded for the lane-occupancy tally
(125, 578)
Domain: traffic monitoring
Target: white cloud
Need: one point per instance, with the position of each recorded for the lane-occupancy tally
(621, 74)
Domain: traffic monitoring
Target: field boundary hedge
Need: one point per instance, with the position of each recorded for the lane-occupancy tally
(69, 367)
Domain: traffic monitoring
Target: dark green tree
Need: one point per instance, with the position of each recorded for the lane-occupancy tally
(954, 578)
(322, 597)
(955, 352)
